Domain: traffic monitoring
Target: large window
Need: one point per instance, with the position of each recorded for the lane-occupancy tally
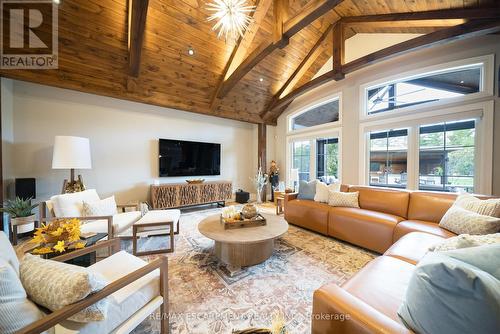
(301, 157)
(428, 87)
(327, 159)
(388, 158)
(446, 159)
(323, 114)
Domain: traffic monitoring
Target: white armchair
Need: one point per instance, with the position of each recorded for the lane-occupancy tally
(71, 206)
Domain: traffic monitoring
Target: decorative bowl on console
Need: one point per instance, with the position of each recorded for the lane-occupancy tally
(195, 181)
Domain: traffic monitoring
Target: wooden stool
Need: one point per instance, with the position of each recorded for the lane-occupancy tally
(280, 205)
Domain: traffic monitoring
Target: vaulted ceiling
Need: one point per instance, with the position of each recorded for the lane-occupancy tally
(94, 53)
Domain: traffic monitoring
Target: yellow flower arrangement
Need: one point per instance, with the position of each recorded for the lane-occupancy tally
(58, 236)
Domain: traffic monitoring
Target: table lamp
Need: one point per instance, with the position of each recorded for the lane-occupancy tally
(71, 153)
(294, 177)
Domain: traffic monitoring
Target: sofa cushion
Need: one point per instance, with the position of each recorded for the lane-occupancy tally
(454, 292)
(343, 199)
(413, 246)
(16, 310)
(71, 205)
(487, 207)
(465, 241)
(307, 190)
(460, 221)
(7, 252)
(121, 222)
(55, 285)
(124, 302)
(323, 191)
(408, 226)
(369, 229)
(382, 284)
(308, 214)
(393, 202)
(429, 206)
(103, 207)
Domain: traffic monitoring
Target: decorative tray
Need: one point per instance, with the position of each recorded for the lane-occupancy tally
(230, 224)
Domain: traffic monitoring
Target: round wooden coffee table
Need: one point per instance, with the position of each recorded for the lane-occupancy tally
(243, 247)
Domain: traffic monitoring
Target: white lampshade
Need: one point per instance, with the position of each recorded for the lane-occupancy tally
(294, 175)
(71, 153)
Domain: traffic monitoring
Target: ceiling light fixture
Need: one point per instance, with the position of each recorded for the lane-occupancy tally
(231, 16)
(190, 51)
(57, 2)
(261, 79)
(461, 81)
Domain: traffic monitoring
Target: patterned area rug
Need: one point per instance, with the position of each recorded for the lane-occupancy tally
(206, 297)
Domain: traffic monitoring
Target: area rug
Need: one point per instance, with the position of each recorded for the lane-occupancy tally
(206, 297)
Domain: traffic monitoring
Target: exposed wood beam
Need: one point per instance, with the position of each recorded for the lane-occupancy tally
(338, 51)
(243, 45)
(466, 30)
(280, 10)
(408, 23)
(137, 11)
(292, 26)
(469, 14)
(299, 72)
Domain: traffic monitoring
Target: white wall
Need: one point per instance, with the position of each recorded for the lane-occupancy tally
(124, 140)
(349, 87)
(7, 130)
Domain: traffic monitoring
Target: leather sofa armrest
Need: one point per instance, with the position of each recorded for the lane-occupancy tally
(337, 311)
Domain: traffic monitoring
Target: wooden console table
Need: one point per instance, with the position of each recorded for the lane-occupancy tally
(178, 195)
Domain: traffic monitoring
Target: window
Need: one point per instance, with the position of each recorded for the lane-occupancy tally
(301, 157)
(323, 114)
(327, 159)
(447, 156)
(388, 158)
(429, 87)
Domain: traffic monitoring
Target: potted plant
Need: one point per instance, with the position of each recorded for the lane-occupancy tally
(19, 211)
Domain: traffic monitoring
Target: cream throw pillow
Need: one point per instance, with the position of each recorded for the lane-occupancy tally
(56, 284)
(104, 207)
(323, 190)
(461, 221)
(464, 241)
(487, 207)
(348, 200)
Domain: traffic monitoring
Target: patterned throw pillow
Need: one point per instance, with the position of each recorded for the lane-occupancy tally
(487, 207)
(322, 191)
(348, 200)
(105, 207)
(464, 241)
(462, 221)
(56, 284)
(16, 310)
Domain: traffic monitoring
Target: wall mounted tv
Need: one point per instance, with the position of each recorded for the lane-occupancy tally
(188, 158)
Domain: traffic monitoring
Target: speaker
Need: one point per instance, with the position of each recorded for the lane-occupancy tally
(25, 188)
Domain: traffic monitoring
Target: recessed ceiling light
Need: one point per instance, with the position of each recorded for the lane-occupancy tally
(461, 81)
(261, 79)
(56, 1)
(190, 51)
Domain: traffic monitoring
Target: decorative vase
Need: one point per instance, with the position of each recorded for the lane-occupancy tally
(259, 195)
(249, 211)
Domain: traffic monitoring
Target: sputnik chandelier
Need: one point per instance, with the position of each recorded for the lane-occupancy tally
(232, 17)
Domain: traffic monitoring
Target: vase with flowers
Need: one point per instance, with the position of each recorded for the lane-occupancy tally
(259, 181)
(58, 236)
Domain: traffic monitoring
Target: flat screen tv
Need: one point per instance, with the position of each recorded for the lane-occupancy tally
(188, 158)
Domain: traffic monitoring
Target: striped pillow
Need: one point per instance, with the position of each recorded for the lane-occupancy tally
(488, 207)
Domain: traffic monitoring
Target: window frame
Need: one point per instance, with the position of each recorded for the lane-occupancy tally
(312, 137)
(308, 107)
(486, 86)
(482, 112)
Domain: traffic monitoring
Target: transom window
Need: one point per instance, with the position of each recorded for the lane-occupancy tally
(323, 114)
(428, 87)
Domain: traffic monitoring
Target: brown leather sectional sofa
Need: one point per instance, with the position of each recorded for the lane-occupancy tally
(384, 216)
(398, 223)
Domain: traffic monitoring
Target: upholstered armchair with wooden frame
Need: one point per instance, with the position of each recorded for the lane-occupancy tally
(70, 206)
(57, 319)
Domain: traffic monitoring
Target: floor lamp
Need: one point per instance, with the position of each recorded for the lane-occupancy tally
(71, 153)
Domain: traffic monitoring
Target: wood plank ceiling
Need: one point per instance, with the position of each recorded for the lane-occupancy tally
(93, 52)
